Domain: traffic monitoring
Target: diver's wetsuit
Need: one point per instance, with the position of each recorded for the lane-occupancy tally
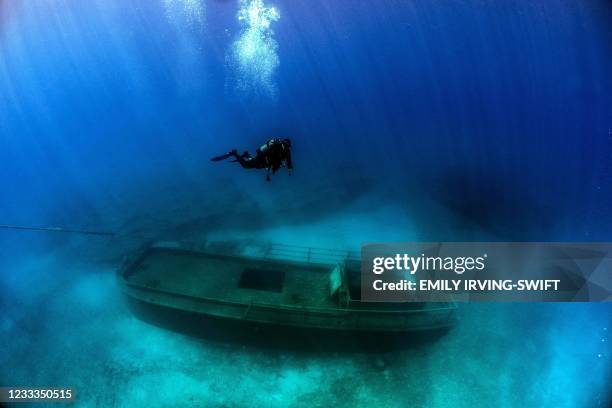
(271, 156)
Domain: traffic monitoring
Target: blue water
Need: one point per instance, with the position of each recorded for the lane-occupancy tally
(411, 120)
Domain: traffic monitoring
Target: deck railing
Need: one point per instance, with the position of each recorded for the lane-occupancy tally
(309, 254)
(271, 251)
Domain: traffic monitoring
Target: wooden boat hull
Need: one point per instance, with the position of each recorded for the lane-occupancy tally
(184, 282)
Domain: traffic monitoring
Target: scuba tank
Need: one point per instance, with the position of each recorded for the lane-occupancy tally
(264, 147)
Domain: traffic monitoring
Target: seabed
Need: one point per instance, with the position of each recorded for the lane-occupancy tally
(66, 316)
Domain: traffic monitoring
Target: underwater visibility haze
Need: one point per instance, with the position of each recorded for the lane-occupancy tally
(410, 120)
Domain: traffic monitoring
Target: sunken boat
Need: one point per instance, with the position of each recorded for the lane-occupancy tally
(275, 285)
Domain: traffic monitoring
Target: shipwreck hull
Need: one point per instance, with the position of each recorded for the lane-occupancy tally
(267, 291)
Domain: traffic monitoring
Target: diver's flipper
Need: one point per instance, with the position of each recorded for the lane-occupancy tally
(223, 156)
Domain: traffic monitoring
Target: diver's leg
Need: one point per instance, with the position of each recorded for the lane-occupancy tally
(245, 159)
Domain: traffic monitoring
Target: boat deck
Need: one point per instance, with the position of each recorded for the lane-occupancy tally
(233, 279)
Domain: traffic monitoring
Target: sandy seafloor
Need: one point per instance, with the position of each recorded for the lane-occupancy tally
(64, 322)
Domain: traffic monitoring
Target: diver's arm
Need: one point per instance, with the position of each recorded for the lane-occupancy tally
(289, 161)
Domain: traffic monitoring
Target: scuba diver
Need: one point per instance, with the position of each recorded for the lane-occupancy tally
(272, 155)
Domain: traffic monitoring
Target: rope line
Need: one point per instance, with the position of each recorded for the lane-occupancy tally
(57, 229)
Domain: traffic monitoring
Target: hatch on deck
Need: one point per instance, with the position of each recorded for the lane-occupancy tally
(262, 279)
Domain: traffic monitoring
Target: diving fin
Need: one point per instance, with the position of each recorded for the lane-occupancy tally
(223, 156)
